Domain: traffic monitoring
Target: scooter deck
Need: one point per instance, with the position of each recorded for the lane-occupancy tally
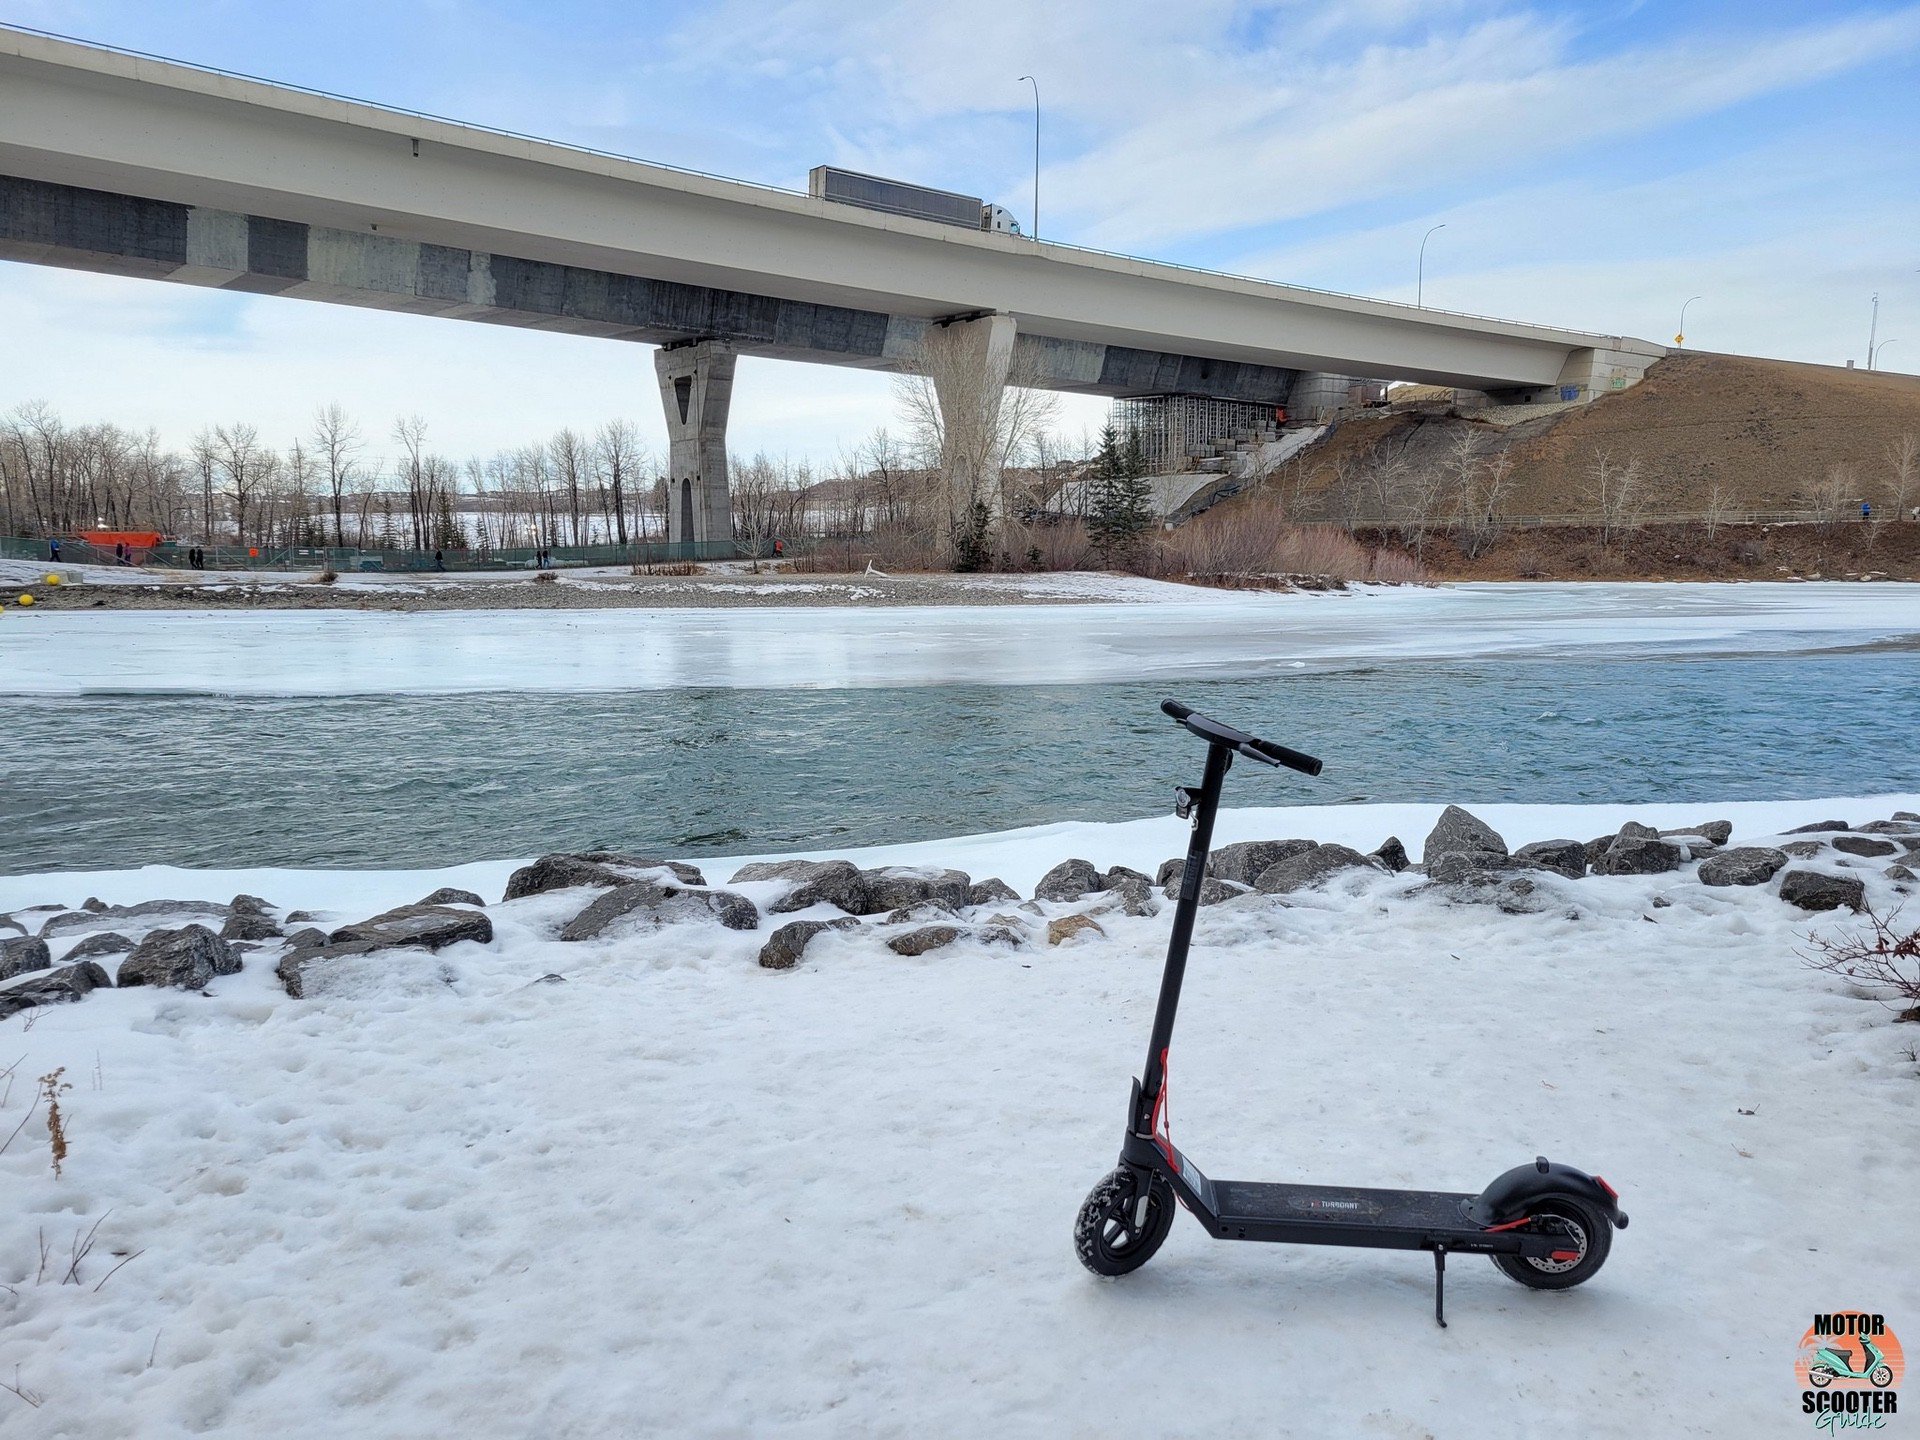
(1256, 1202)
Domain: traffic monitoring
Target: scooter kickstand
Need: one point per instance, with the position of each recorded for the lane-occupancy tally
(1440, 1284)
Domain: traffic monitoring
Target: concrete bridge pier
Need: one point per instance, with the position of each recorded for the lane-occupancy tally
(696, 389)
(968, 362)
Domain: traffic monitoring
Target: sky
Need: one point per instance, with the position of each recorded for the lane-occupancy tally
(1594, 165)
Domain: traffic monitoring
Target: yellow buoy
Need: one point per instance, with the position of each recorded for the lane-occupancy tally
(53, 579)
(26, 599)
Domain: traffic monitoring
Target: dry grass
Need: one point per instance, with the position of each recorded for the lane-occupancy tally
(1256, 543)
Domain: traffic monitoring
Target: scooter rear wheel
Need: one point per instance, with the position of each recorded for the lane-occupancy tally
(1589, 1235)
(1111, 1236)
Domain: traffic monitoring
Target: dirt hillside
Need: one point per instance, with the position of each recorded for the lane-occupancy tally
(1768, 432)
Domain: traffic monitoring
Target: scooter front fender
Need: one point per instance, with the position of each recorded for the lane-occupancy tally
(1514, 1195)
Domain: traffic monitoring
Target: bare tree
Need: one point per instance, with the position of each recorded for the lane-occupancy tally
(1720, 503)
(1833, 496)
(618, 455)
(245, 465)
(1902, 485)
(1614, 492)
(336, 444)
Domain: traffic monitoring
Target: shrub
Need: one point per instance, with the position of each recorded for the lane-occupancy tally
(1882, 960)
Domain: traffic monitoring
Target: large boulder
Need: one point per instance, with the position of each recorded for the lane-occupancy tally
(1818, 827)
(1563, 857)
(1468, 867)
(19, 956)
(1312, 868)
(107, 942)
(430, 927)
(87, 919)
(924, 939)
(187, 959)
(811, 882)
(1246, 861)
(451, 895)
(602, 868)
(1457, 832)
(1132, 894)
(991, 891)
(1069, 880)
(787, 944)
(1811, 890)
(1742, 865)
(1889, 827)
(1714, 832)
(53, 987)
(249, 925)
(894, 887)
(1804, 849)
(1867, 846)
(1116, 875)
(1392, 854)
(1639, 855)
(660, 903)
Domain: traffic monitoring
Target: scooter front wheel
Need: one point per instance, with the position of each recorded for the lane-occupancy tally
(1882, 1376)
(1588, 1235)
(1118, 1230)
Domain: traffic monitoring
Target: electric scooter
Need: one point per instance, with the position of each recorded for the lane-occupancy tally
(1545, 1225)
(1835, 1362)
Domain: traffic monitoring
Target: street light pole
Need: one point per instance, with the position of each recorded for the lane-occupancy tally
(1680, 335)
(1420, 283)
(1036, 153)
(1873, 362)
(1873, 329)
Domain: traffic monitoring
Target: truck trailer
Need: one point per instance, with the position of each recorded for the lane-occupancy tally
(919, 202)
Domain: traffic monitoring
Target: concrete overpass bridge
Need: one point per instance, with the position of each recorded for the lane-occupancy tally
(132, 165)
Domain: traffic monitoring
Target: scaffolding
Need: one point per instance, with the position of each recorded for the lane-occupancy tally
(1177, 430)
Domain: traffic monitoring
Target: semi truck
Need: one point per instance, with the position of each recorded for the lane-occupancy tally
(897, 197)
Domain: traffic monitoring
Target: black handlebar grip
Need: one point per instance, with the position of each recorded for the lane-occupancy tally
(1292, 759)
(1175, 709)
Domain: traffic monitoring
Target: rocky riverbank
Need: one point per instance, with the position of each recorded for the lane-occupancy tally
(50, 954)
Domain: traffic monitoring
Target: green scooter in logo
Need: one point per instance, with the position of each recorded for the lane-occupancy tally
(1835, 1362)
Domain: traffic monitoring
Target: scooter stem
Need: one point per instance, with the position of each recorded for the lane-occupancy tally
(1205, 805)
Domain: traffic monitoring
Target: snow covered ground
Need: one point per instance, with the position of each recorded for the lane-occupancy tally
(1194, 634)
(675, 1193)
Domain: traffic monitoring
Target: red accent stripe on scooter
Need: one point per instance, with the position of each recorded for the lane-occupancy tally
(1510, 1225)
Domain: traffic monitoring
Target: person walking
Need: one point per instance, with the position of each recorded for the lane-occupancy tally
(53, 551)
(439, 561)
(1866, 510)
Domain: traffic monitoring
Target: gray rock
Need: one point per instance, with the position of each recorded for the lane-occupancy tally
(187, 959)
(991, 891)
(247, 925)
(53, 987)
(1133, 894)
(1889, 827)
(309, 938)
(892, 886)
(1634, 830)
(913, 914)
(301, 917)
(1898, 872)
(1563, 857)
(1905, 815)
(1459, 833)
(1312, 868)
(812, 882)
(1245, 862)
(297, 968)
(1865, 845)
(12, 924)
(660, 903)
(93, 903)
(1469, 867)
(787, 944)
(1811, 890)
(1714, 832)
(248, 905)
(1212, 890)
(1509, 892)
(1638, 855)
(1167, 877)
(1742, 865)
(1804, 849)
(87, 919)
(1069, 880)
(1818, 827)
(450, 895)
(430, 927)
(17, 957)
(927, 937)
(1597, 847)
(1119, 874)
(1010, 935)
(107, 942)
(1392, 854)
(602, 868)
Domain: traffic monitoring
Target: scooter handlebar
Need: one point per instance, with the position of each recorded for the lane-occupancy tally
(1252, 746)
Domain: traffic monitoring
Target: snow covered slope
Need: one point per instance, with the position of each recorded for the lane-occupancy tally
(673, 1193)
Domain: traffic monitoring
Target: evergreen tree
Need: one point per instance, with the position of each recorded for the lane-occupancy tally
(1119, 508)
(972, 547)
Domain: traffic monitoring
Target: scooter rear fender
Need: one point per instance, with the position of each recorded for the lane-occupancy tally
(1515, 1194)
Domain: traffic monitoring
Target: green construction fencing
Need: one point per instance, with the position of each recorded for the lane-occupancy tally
(172, 554)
